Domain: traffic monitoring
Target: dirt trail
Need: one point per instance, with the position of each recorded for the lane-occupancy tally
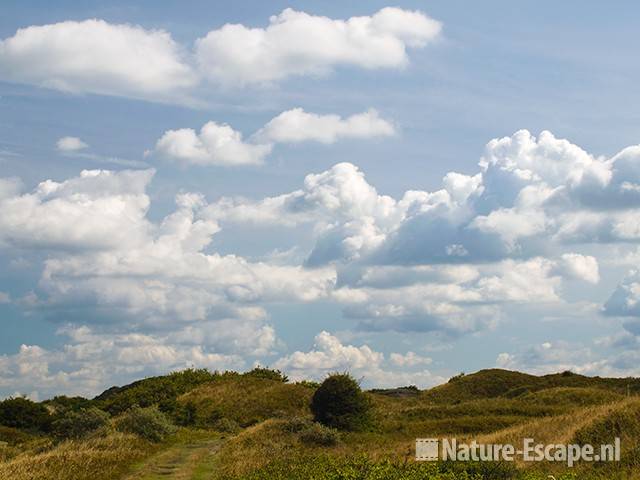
(185, 461)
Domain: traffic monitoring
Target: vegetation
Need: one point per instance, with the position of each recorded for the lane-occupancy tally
(79, 423)
(260, 426)
(339, 403)
(161, 391)
(148, 423)
(245, 399)
(24, 414)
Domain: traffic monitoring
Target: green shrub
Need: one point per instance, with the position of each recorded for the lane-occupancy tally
(24, 414)
(340, 403)
(318, 434)
(62, 403)
(148, 423)
(78, 424)
(267, 373)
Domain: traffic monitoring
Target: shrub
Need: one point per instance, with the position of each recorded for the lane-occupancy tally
(149, 423)
(267, 373)
(63, 403)
(340, 403)
(226, 425)
(318, 434)
(78, 424)
(296, 424)
(22, 413)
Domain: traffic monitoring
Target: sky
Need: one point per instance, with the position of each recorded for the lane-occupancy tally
(404, 191)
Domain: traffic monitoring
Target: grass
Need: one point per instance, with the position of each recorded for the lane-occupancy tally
(247, 400)
(278, 440)
(99, 458)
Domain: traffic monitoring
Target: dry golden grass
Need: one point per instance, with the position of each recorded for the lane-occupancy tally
(99, 458)
(558, 429)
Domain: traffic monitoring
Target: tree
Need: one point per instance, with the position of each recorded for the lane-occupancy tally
(340, 403)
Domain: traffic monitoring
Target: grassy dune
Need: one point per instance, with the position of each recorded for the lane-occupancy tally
(275, 439)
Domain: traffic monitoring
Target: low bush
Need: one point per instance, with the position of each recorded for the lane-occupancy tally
(226, 425)
(24, 414)
(148, 423)
(340, 403)
(79, 424)
(318, 434)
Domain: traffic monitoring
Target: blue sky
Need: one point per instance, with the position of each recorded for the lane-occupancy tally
(274, 186)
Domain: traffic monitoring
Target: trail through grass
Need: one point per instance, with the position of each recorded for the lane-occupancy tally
(190, 460)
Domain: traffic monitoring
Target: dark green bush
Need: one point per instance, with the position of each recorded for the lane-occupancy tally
(269, 374)
(78, 424)
(148, 423)
(24, 414)
(340, 403)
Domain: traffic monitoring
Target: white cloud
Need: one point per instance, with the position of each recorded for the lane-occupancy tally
(98, 209)
(409, 359)
(297, 43)
(94, 56)
(70, 144)
(216, 144)
(5, 297)
(219, 144)
(331, 355)
(90, 361)
(296, 125)
(581, 267)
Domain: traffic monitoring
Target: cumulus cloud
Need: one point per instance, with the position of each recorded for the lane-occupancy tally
(94, 56)
(331, 355)
(70, 144)
(216, 144)
(453, 261)
(581, 267)
(219, 144)
(297, 43)
(78, 368)
(625, 300)
(98, 209)
(296, 125)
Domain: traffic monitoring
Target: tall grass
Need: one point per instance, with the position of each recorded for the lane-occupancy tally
(99, 458)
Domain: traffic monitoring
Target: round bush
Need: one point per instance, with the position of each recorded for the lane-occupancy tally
(78, 424)
(339, 403)
(148, 423)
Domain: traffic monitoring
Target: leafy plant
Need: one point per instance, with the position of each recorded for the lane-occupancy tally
(78, 424)
(340, 403)
(148, 423)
